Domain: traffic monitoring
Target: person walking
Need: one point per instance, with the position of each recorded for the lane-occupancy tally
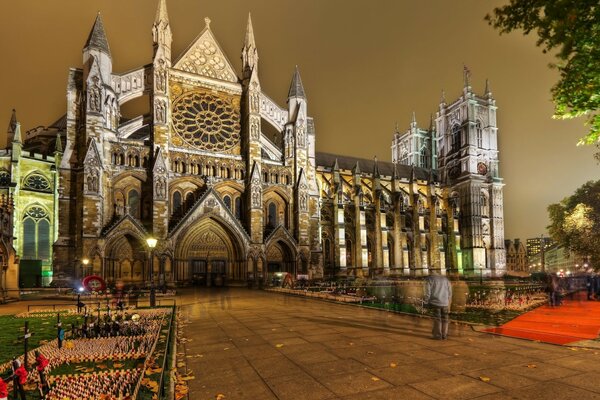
(438, 296)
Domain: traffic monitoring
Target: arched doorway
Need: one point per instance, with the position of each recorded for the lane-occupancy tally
(125, 259)
(280, 259)
(210, 253)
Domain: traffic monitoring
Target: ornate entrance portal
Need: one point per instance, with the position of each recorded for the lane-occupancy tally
(210, 255)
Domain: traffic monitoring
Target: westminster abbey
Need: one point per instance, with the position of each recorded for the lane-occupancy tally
(230, 183)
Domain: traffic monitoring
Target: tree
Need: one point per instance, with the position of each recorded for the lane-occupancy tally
(575, 221)
(572, 27)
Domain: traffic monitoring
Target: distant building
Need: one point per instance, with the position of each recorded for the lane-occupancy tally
(516, 257)
(534, 245)
(557, 259)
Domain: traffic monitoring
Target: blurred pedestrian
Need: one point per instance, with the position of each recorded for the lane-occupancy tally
(438, 295)
(552, 288)
(589, 284)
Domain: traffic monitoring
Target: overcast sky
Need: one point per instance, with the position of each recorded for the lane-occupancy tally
(365, 65)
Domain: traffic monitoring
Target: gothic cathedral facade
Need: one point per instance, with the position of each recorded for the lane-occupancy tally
(231, 186)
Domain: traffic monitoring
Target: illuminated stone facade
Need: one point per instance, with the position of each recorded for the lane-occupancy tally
(29, 177)
(231, 186)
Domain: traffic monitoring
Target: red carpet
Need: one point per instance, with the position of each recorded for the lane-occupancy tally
(573, 321)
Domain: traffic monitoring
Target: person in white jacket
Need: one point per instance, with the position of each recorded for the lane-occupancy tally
(438, 295)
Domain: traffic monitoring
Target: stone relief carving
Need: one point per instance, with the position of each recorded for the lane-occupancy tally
(160, 77)
(254, 135)
(94, 96)
(160, 111)
(256, 197)
(160, 188)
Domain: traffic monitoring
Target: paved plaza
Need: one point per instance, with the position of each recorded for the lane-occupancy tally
(247, 344)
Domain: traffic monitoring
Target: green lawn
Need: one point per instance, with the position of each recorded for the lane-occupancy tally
(43, 329)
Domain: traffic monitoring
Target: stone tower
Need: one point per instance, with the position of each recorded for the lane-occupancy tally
(467, 142)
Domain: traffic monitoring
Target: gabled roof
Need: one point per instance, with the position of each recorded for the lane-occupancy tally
(205, 57)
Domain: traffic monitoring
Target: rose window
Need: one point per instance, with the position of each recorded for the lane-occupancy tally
(206, 121)
(36, 212)
(37, 182)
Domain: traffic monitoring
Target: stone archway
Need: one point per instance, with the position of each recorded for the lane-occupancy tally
(126, 257)
(280, 258)
(209, 254)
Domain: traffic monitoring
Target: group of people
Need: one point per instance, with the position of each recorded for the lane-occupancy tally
(19, 378)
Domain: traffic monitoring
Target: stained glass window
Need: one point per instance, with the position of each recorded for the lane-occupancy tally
(207, 121)
(36, 234)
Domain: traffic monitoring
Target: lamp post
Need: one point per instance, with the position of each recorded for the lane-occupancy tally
(85, 263)
(151, 241)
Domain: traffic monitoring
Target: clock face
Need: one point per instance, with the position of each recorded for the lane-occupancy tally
(482, 168)
(207, 121)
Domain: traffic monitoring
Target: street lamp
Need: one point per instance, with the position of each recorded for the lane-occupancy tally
(85, 263)
(151, 241)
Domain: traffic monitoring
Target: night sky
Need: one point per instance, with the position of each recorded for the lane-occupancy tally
(365, 67)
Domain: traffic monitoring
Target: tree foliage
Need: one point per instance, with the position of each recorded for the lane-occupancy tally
(575, 221)
(572, 28)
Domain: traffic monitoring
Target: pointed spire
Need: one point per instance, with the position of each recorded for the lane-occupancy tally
(376, 168)
(12, 125)
(488, 91)
(413, 176)
(249, 39)
(161, 13)
(249, 52)
(97, 38)
(414, 118)
(396, 129)
(467, 77)
(443, 98)
(58, 148)
(335, 166)
(431, 176)
(356, 169)
(296, 88)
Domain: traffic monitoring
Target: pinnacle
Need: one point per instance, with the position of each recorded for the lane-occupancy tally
(296, 88)
(161, 12)
(375, 168)
(97, 38)
(12, 125)
(249, 39)
(58, 148)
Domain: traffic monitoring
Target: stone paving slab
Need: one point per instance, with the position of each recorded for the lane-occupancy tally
(282, 347)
